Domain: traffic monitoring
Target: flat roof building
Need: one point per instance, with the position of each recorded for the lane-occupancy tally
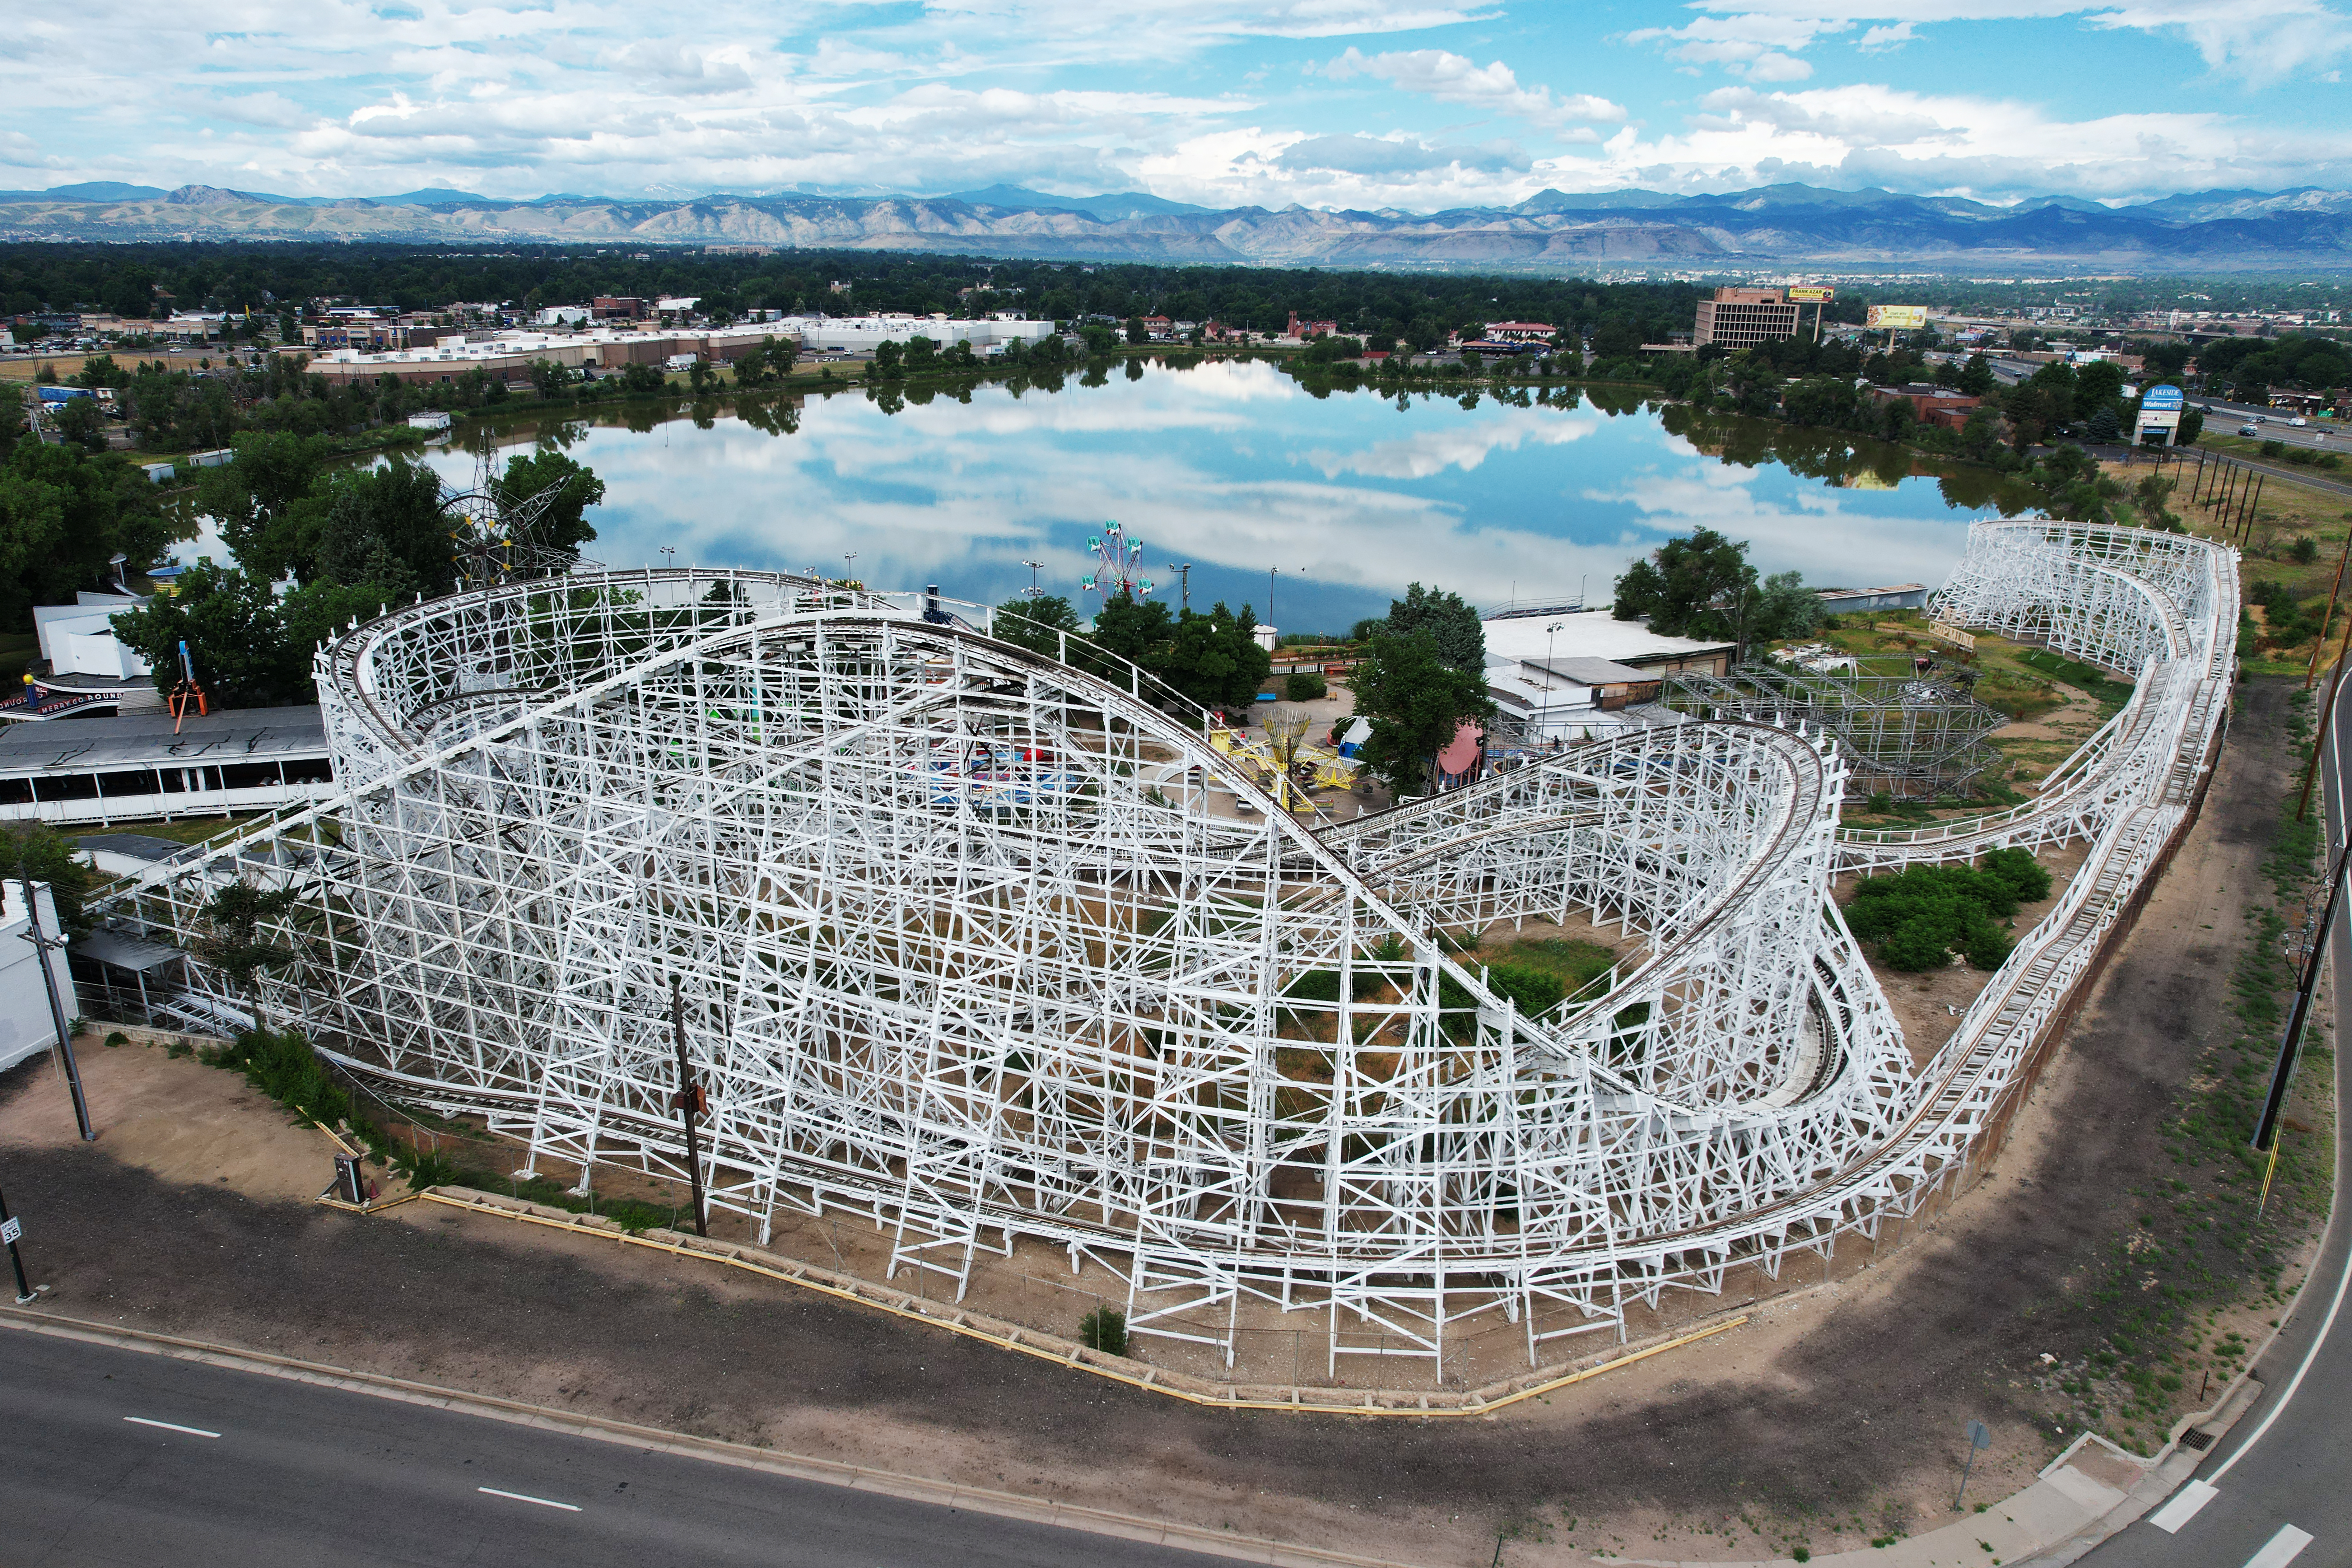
(1742, 318)
(133, 767)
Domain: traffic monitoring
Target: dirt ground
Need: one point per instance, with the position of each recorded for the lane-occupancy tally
(1833, 1417)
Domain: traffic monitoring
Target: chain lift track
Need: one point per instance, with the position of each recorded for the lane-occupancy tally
(953, 958)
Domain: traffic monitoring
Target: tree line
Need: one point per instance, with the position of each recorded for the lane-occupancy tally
(318, 546)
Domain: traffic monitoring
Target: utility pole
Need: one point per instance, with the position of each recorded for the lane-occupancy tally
(1183, 571)
(689, 1100)
(2326, 712)
(42, 947)
(2328, 619)
(2290, 1043)
(1269, 601)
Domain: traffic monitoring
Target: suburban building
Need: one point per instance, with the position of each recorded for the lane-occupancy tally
(1302, 331)
(864, 334)
(1930, 404)
(508, 354)
(1742, 318)
(1848, 600)
(138, 767)
(1561, 675)
(1521, 331)
(81, 666)
(28, 1027)
(617, 308)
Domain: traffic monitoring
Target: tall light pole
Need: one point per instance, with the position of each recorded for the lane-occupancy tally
(848, 567)
(1032, 591)
(1269, 602)
(1184, 576)
(1549, 631)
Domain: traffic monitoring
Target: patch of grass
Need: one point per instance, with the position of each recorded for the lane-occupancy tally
(2204, 1238)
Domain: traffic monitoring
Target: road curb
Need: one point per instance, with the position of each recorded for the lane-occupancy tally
(796, 1467)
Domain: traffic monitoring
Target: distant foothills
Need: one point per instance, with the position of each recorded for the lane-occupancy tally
(2208, 232)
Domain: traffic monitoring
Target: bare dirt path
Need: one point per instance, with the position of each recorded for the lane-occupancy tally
(1832, 1417)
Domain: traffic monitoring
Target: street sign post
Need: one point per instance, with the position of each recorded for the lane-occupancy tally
(10, 1230)
(1979, 1439)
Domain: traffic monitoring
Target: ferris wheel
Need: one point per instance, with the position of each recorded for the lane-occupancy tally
(494, 534)
(1117, 559)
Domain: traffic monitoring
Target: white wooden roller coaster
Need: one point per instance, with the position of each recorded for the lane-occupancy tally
(971, 941)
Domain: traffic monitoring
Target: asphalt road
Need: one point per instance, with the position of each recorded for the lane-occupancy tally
(113, 1456)
(2276, 1491)
(2323, 435)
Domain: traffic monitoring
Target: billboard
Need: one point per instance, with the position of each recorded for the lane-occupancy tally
(1810, 294)
(2160, 398)
(1909, 317)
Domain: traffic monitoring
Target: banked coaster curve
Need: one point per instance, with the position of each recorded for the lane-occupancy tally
(948, 957)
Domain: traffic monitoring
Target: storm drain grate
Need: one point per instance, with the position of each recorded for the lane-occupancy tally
(2200, 1441)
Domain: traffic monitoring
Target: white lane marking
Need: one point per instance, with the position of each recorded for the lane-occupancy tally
(2319, 1340)
(2183, 1507)
(168, 1426)
(525, 1496)
(2284, 1547)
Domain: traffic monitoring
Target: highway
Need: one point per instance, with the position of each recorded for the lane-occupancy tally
(112, 1456)
(2274, 1490)
(2227, 418)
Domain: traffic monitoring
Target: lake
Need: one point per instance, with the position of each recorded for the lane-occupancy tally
(1235, 467)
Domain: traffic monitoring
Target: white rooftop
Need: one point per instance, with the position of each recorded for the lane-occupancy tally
(1585, 634)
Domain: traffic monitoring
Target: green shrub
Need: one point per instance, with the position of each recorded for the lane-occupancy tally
(1303, 686)
(1921, 915)
(2027, 879)
(433, 1169)
(1104, 1330)
(1535, 991)
(117, 1039)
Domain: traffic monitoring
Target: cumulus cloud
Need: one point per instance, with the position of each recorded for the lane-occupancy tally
(2263, 40)
(1381, 156)
(1491, 88)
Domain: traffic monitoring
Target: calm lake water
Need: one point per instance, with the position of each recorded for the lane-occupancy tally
(1236, 468)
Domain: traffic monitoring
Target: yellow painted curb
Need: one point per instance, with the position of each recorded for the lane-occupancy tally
(1065, 1353)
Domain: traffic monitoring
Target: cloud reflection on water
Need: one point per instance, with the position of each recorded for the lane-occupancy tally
(1216, 465)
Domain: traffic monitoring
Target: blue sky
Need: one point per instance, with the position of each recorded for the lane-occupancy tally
(1415, 104)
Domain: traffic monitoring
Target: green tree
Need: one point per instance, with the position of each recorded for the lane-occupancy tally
(1416, 700)
(1450, 620)
(1215, 660)
(1137, 333)
(1698, 586)
(40, 852)
(63, 512)
(80, 423)
(270, 501)
(1823, 400)
(1785, 609)
(642, 380)
(1134, 629)
(563, 525)
(236, 639)
(385, 526)
(1038, 624)
(886, 355)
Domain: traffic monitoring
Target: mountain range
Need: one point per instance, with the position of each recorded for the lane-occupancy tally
(2302, 229)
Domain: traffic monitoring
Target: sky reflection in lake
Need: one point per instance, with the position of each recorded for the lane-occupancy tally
(1236, 468)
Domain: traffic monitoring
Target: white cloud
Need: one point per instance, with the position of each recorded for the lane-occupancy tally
(1431, 452)
(2263, 40)
(1491, 88)
(1987, 147)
